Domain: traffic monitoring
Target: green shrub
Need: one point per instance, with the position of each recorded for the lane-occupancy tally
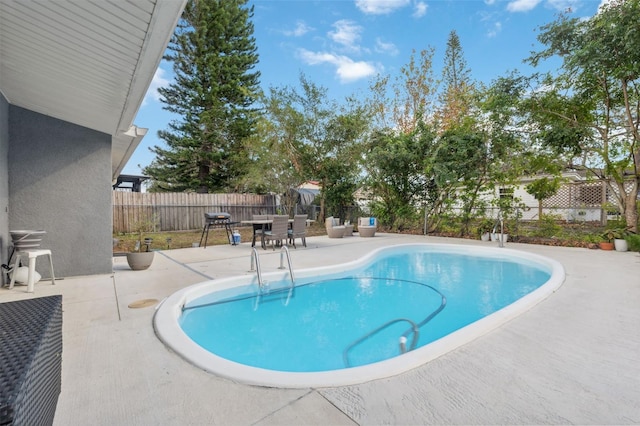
(591, 238)
(449, 224)
(633, 240)
(548, 225)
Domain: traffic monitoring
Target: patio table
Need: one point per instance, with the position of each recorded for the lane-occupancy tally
(259, 224)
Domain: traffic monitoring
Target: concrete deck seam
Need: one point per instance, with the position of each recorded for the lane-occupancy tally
(115, 293)
(318, 391)
(184, 265)
(259, 421)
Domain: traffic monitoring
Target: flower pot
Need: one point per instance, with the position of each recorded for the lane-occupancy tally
(485, 236)
(139, 261)
(606, 245)
(495, 237)
(621, 244)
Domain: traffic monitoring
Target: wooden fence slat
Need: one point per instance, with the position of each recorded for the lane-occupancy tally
(183, 211)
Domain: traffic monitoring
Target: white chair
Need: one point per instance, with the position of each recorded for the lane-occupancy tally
(26, 246)
(334, 230)
(367, 226)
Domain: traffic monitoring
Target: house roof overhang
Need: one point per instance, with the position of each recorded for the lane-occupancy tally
(89, 63)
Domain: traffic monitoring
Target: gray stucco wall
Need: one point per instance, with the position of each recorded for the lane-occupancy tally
(4, 183)
(60, 181)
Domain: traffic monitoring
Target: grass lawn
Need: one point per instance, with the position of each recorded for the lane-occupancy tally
(183, 239)
(568, 235)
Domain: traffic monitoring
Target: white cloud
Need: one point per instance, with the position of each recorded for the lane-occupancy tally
(301, 29)
(419, 9)
(387, 48)
(347, 34)
(380, 7)
(495, 30)
(522, 5)
(564, 5)
(602, 4)
(347, 70)
(158, 81)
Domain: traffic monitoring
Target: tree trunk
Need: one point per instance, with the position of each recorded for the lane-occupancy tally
(540, 211)
(322, 213)
(631, 211)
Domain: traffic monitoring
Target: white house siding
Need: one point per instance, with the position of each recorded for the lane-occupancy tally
(577, 201)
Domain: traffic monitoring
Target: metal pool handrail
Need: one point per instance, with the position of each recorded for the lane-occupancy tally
(415, 328)
(282, 251)
(254, 257)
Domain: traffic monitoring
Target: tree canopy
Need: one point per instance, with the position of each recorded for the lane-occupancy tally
(590, 109)
(304, 136)
(214, 54)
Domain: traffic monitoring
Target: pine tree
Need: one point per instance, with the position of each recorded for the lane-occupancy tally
(214, 54)
(456, 98)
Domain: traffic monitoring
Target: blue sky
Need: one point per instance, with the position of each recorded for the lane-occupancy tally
(343, 44)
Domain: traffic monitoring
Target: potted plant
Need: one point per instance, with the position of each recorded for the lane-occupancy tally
(485, 227)
(619, 241)
(608, 236)
(141, 257)
(500, 231)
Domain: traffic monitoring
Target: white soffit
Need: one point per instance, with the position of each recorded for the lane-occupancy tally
(88, 62)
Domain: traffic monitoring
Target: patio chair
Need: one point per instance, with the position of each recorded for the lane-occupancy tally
(279, 231)
(334, 229)
(298, 230)
(256, 230)
(367, 226)
(26, 246)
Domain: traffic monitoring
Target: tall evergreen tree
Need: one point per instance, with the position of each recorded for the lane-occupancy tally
(457, 97)
(214, 54)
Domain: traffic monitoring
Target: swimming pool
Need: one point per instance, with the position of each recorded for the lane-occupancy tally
(432, 277)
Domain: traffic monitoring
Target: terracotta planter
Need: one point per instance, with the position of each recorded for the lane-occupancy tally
(140, 261)
(606, 245)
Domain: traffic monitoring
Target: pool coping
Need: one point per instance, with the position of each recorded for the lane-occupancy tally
(165, 322)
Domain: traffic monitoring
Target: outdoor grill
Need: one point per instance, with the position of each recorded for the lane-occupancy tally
(217, 219)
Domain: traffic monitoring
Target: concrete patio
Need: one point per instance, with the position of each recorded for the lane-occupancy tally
(572, 359)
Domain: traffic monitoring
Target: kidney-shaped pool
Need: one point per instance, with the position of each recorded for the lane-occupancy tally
(386, 313)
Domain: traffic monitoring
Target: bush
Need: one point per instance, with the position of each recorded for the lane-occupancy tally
(548, 225)
(633, 240)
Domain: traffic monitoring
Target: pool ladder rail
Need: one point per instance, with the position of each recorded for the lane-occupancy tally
(402, 341)
(499, 222)
(263, 286)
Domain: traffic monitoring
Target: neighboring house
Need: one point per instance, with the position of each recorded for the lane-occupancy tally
(72, 78)
(312, 185)
(579, 199)
(130, 183)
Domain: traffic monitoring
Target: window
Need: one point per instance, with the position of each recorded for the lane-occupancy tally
(506, 193)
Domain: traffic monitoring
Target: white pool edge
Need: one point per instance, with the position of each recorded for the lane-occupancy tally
(166, 326)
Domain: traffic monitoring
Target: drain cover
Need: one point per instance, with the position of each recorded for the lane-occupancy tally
(143, 303)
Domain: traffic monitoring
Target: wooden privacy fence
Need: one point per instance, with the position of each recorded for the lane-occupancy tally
(184, 211)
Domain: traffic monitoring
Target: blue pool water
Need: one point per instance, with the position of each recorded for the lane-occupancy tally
(317, 327)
